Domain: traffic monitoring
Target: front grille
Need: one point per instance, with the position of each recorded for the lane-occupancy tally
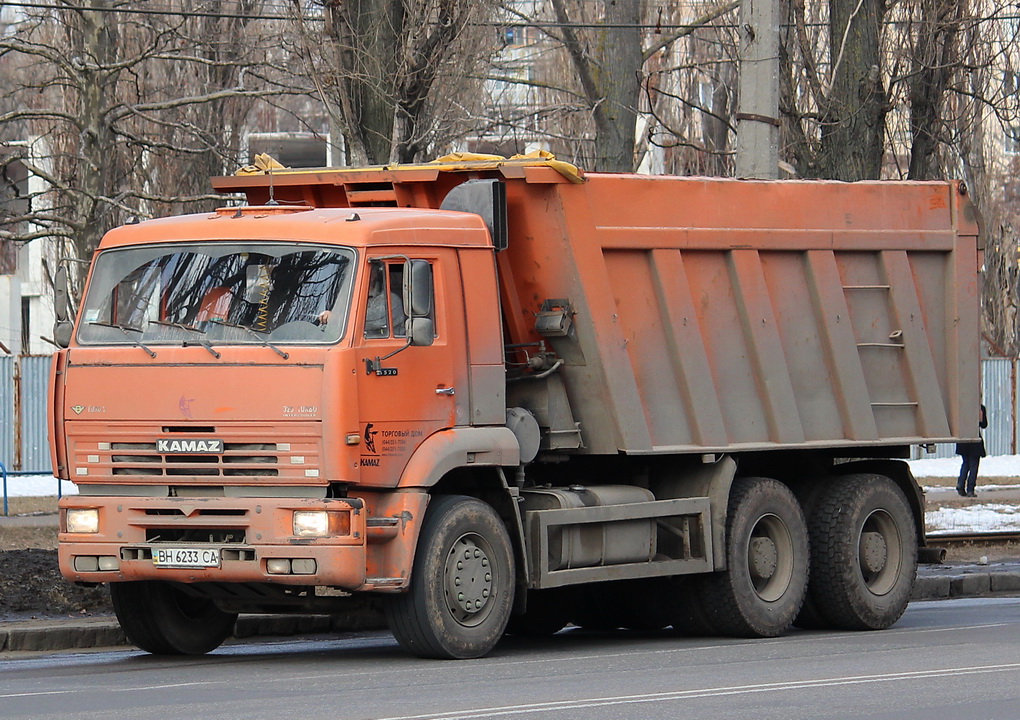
(130, 450)
(237, 460)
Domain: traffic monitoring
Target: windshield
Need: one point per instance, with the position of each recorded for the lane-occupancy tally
(226, 294)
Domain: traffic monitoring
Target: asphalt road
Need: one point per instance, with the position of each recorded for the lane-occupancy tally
(948, 659)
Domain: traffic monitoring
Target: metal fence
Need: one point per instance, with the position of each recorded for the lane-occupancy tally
(24, 438)
(999, 395)
(24, 441)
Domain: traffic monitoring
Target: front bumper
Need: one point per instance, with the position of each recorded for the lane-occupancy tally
(247, 532)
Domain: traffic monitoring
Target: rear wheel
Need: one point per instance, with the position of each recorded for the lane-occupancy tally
(763, 587)
(809, 494)
(863, 553)
(164, 620)
(462, 583)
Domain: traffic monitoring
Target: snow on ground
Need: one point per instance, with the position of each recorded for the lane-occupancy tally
(982, 517)
(36, 486)
(975, 517)
(997, 466)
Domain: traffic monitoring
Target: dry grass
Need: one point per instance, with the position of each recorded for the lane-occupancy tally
(20, 538)
(30, 505)
(14, 536)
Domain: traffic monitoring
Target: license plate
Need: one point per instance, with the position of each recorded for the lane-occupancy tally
(172, 557)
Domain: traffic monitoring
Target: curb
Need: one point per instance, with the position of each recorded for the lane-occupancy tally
(934, 582)
(941, 582)
(52, 635)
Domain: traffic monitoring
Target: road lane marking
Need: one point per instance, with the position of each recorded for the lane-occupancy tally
(554, 706)
(133, 688)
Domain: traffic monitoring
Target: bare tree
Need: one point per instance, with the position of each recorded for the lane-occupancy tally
(835, 117)
(126, 111)
(395, 75)
(616, 86)
(935, 59)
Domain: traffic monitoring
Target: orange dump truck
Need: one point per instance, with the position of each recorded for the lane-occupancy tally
(505, 396)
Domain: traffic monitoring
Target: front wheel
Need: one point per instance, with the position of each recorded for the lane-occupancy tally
(462, 583)
(763, 587)
(165, 620)
(863, 553)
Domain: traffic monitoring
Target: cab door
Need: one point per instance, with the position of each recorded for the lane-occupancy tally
(407, 392)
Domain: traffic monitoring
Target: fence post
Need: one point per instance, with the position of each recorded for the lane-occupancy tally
(3, 471)
(18, 415)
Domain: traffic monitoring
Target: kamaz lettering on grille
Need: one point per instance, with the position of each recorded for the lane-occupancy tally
(189, 446)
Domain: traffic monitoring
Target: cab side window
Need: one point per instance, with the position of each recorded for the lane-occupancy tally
(384, 315)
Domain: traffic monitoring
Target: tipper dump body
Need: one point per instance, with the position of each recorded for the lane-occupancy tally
(711, 315)
(508, 395)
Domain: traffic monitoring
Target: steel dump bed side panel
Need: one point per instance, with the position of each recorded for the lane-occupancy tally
(721, 315)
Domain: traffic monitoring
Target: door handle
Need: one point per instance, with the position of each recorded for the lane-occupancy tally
(445, 391)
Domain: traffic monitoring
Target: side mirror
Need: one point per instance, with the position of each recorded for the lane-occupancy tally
(421, 331)
(61, 303)
(418, 288)
(62, 332)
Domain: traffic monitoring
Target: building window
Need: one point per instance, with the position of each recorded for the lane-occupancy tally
(1012, 139)
(26, 325)
(512, 35)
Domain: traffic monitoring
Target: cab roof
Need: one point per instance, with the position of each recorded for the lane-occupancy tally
(361, 227)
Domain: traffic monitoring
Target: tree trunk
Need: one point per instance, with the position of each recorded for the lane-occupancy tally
(609, 72)
(936, 57)
(97, 43)
(853, 122)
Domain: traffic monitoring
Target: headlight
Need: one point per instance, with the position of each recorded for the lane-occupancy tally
(322, 523)
(311, 523)
(82, 520)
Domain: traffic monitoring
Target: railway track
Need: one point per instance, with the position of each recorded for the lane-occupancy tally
(966, 546)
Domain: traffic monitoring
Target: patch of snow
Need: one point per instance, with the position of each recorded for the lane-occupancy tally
(37, 486)
(990, 517)
(995, 466)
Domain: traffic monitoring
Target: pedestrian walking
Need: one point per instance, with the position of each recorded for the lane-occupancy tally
(971, 453)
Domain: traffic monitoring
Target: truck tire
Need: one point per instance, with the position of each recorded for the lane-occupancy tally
(763, 587)
(809, 495)
(863, 553)
(163, 620)
(462, 583)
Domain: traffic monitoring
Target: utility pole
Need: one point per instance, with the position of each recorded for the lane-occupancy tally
(758, 87)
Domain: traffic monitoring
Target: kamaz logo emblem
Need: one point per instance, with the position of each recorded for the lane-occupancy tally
(189, 446)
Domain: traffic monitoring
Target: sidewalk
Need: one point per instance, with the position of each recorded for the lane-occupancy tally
(934, 582)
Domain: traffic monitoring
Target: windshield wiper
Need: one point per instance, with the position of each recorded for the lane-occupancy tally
(124, 329)
(191, 328)
(255, 335)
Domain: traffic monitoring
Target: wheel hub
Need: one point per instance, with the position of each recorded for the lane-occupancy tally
(763, 558)
(874, 552)
(468, 578)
